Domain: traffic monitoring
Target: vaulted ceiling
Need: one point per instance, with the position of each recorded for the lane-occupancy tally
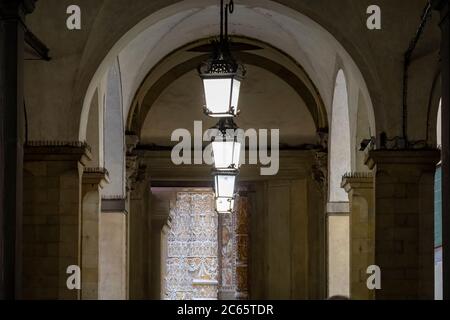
(266, 102)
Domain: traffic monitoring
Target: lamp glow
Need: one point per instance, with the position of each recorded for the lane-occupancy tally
(224, 205)
(226, 154)
(225, 146)
(221, 95)
(224, 183)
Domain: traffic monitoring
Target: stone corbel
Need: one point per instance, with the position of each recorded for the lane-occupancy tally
(95, 177)
(357, 181)
(98, 176)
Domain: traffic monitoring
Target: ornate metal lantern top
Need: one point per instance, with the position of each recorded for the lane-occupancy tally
(221, 64)
(221, 73)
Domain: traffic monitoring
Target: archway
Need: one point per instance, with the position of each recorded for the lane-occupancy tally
(147, 52)
(155, 37)
(340, 143)
(177, 106)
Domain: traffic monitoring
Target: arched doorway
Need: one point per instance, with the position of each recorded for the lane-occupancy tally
(304, 60)
(148, 72)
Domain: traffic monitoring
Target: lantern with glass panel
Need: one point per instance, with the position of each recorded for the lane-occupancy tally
(222, 77)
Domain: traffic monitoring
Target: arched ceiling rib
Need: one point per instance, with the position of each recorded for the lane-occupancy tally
(310, 45)
(149, 92)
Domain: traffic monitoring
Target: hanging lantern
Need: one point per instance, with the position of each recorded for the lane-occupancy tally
(224, 205)
(222, 75)
(224, 183)
(226, 148)
(221, 83)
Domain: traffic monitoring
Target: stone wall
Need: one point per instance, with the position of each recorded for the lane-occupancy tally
(287, 243)
(52, 218)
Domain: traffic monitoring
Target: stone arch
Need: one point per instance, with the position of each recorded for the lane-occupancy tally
(94, 135)
(434, 108)
(340, 143)
(149, 42)
(315, 49)
(114, 133)
(90, 241)
(362, 130)
(165, 26)
(297, 79)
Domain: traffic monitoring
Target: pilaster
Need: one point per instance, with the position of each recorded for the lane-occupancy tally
(52, 217)
(138, 187)
(404, 221)
(160, 221)
(359, 186)
(93, 181)
(227, 256)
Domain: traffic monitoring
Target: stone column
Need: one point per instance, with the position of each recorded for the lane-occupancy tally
(138, 185)
(404, 222)
(93, 181)
(338, 221)
(337, 242)
(317, 226)
(443, 6)
(159, 222)
(164, 255)
(113, 261)
(139, 234)
(227, 256)
(52, 216)
(160, 218)
(12, 22)
(362, 232)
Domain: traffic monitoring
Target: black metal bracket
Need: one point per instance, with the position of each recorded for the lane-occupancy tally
(37, 45)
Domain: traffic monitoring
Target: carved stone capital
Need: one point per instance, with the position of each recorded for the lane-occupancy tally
(132, 165)
(131, 142)
(322, 139)
(320, 170)
(136, 173)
